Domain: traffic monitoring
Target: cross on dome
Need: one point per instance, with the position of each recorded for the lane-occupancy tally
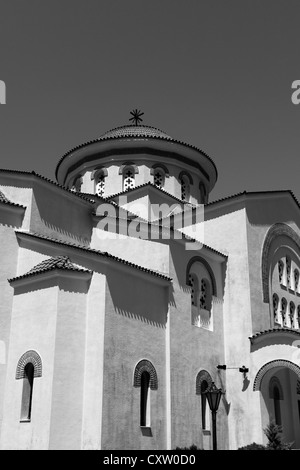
(136, 116)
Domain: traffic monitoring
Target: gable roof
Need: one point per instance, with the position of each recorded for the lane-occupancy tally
(4, 200)
(58, 262)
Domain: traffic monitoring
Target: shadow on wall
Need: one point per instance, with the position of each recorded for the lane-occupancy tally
(60, 214)
(138, 297)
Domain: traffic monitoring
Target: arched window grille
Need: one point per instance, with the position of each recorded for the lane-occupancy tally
(283, 310)
(185, 188)
(275, 307)
(128, 178)
(159, 178)
(280, 271)
(292, 314)
(296, 279)
(205, 299)
(100, 183)
(288, 271)
(193, 282)
(298, 316)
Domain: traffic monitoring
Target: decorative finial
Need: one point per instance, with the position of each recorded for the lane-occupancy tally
(136, 116)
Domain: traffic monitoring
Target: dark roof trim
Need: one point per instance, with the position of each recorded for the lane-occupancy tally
(272, 331)
(93, 251)
(253, 193)
(43, 178)
(139, 150)
(50, 269)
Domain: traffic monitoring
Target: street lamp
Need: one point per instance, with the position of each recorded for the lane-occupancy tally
(213, 395)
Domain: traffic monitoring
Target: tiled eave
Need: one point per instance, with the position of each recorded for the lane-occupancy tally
(273, 332)
(50, 273)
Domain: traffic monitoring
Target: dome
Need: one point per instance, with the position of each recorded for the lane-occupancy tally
(134, 131)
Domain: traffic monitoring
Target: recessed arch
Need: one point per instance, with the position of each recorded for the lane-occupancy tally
(29, 357)
(207, 266)
(202, 376)
(98, 171)
(131, 164)
(145, 366)
(185, 173)
(158, 166)
(275, 231)
(271, 365)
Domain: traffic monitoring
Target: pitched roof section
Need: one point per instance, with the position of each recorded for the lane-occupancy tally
(4, 200)
(144, 185)
(48, 180)
(50, 264)
(103, 254)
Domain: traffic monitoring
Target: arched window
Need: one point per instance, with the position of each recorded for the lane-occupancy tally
(283, 310)
(280, 271)
(296, 279)
(145, 377)
(276, 395)
(27, 392)
(201, 279)
(288, 271)
(159, 177)
(128, 178)
(185, 188)
(292, 314)
(204, 387)
(145, 399)
(275, 307)
(193, 282)
(203, 382)
(203, 193)
(205, 295)
(77, 183)
(100, 183)
(28, 368)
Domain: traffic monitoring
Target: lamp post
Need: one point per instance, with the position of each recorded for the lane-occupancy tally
(213, 395)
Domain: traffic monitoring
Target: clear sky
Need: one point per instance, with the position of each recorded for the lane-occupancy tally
(216, 74)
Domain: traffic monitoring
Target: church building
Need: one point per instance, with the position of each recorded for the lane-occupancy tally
(126, 293)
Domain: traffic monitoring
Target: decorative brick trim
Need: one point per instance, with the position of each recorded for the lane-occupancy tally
(142, 366)
(275, 231)
(135, 167)
(185, 173)
(207, 266)
(201, 376)
(270, 365)
(36, 361)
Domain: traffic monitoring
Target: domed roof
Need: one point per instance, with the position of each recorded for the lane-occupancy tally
(134, 131)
